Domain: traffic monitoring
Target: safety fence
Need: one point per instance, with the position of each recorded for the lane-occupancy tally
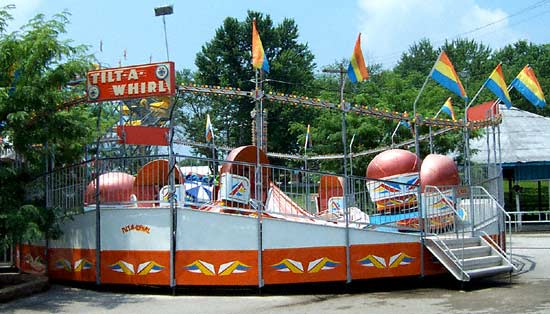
(145, 182)
(528, 220)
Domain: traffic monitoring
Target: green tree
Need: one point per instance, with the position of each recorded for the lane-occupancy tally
(226, 61)
(36, 67)
(514, 57)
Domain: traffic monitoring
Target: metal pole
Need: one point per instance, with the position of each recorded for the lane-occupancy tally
(165, 38)
(467, 139)
(393, 134)
(307, 182)
(97, 205)
(419, 190)
(344, 142)
(258, 175)
(351, 155)
(345, 184)
(430, 131)
(173, 210)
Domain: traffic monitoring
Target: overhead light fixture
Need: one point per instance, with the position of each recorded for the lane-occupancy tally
(164, 10)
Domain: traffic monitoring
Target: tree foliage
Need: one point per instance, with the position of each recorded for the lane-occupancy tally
(226, 61)
(36, 67)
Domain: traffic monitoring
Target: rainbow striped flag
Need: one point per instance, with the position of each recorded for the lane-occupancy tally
(448, 109)
(497, 85)
(444, 73)
(308, 139)
(209, 131)
(259, 60)
(357, 70)
(527, 84)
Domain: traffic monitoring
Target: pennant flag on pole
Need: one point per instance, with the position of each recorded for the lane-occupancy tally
(357, 70)
(209, 131)
(307, 143)
(527, 84)
(259, 60)
(497, 85)
(124, 54)
(444, 73)
(101, 45)
(448, 109)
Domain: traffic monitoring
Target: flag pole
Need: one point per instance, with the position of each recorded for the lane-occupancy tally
(344, 199)
(430, 131)
(467, 170)
(305, 168)
(343, 107)
(214, 157)
(416, 139)
(258, 176)
(417, 148)
(307, 180)
(394, 132)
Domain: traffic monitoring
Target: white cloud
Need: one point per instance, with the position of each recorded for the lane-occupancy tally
(24, 10)
(391, 26)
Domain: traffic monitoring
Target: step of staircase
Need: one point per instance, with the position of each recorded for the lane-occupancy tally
(481, 262)
(472, 251)
(460, 243)
(468, 258)
(490, 271)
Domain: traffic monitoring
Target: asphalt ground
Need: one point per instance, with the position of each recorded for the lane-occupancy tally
(527, 291)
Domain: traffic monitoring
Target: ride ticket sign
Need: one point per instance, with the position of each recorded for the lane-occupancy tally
(139, 81)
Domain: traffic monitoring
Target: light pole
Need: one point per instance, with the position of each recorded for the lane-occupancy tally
(163, 11)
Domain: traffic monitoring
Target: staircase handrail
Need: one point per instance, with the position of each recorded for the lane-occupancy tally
(457, 261)
(498, 249)
(444, 196)
(447, 250)
(508, 220)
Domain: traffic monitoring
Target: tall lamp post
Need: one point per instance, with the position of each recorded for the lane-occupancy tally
(163, 11)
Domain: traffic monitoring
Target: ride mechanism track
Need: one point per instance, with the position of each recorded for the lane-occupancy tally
(444, 125)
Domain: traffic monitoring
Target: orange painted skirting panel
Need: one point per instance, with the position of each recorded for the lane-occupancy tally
(385, 260)
(72, 264)
(135, 267)
(300, 265)
(217, 268)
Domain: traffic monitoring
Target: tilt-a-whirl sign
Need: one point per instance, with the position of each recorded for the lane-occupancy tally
(139, 81)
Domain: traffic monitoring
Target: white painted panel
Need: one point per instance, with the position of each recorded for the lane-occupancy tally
(135, 229)
(367, 236)
(289, 234)
(78, 232)
(200, 230)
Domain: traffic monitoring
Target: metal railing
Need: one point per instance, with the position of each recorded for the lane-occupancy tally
(139, 182)
(442, 214)
(519, 218)
(454, 212)
(444, 219)
(504, 218)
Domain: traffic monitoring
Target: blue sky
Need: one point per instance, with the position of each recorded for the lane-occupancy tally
(329, 27)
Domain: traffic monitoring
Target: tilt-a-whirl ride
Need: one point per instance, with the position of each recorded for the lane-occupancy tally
(148, 221)
(151, 221)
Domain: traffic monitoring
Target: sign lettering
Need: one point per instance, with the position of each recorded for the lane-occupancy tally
(140, 81)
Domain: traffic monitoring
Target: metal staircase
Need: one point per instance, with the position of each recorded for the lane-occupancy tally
(456, 232)
(468, 258)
